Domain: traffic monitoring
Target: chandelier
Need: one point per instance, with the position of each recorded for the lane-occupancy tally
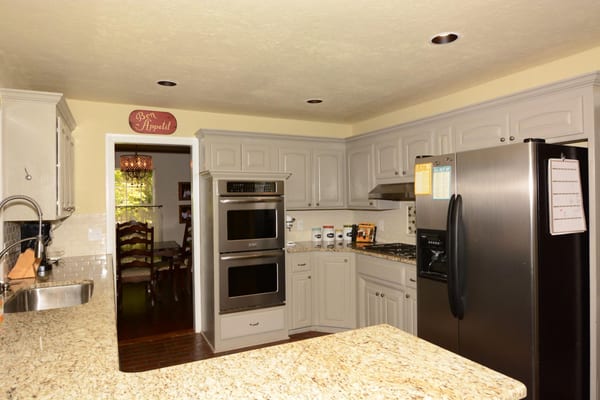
(135, 166)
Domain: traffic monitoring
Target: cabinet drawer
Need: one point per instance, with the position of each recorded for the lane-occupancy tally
(411, 277)
(252, 323)
(300, 262)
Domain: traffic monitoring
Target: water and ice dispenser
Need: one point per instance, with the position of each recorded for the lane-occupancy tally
(432, 254)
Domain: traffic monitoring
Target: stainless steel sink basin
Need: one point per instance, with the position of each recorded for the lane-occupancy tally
(49, 296)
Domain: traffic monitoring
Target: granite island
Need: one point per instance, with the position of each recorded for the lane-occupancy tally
(72, 353)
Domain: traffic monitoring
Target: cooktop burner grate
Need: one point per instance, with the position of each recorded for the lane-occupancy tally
(395, 249)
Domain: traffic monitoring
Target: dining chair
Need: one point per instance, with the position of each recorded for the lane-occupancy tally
(183, 262)
(135, 257)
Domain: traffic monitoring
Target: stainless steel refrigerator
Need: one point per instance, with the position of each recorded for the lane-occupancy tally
(494, 284)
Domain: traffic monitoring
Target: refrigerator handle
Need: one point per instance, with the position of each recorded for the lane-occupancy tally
(455, 297)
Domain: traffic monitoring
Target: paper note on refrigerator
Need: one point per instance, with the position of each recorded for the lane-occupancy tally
(565, 198)
(423, 179)
(441, 182)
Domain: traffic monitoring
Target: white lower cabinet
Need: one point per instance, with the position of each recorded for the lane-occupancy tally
(301, 291)
(333, 291)
(322, 291)
(252, 323)
(336, 290)
(379, 303)
(386, 293)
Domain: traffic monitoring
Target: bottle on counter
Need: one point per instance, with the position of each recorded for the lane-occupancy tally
(347, 233)
(328, 233)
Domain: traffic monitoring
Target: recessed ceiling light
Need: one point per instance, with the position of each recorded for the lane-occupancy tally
(444, 38)
(167, 83)
(314, 101)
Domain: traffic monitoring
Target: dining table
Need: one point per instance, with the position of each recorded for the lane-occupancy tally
(169, 251)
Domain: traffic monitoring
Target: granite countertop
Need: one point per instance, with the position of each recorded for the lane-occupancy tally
(72, 353)
(301, 247)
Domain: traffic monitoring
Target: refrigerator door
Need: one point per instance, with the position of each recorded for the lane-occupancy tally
(435, 321)
(498, 226)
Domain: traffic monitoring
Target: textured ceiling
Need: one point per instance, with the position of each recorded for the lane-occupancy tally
(363, 58)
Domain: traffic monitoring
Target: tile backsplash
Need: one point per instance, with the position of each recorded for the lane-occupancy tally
(79, 235)
(85, 234)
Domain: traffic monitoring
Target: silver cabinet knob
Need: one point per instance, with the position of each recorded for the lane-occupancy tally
(377, 294)
(511, 138)
(503, 139)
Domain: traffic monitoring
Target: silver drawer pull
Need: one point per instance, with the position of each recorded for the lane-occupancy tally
(254, 324)
(302, 265)
(412, 279)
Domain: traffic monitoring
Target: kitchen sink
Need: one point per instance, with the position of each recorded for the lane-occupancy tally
(49, 296)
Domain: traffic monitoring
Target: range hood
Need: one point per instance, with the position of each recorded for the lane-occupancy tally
(394, 191)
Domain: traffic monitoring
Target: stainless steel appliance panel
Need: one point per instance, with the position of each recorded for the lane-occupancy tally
(519, 296)
(250, 223)
(497, 230)
(250, 280)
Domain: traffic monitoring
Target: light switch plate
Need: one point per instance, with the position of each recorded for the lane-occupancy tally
(411, 220)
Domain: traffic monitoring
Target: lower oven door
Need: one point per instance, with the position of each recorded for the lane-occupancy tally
(250, 280)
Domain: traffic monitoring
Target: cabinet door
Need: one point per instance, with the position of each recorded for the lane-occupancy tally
(410, 311)
(65, 169)
(552, 116)
(336, 290)
(415, 145)
(482, 129)
(369, 312)
(301, 306)
(298, 187)
(392, 306)
(387, 158)
(225, 156)
(360, 175)
(443, 140)
(329, 178)
(257, 157)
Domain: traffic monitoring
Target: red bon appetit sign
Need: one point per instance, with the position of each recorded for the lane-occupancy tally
(146, 121)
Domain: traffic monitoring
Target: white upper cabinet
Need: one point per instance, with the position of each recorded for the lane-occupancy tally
(236, 153)
(388, 163)
(359, 159)
(417, 143)
(258, 156)
(548, 117)
(298, 188)
(318, 178)
(477, 130)
(329, 178)
(37, 153)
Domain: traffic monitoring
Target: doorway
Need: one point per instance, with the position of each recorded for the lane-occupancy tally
(167, 315)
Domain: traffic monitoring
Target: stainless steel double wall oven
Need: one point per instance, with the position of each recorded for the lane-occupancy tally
(251, 242)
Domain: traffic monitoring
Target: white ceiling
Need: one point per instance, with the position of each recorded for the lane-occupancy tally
(266, 57)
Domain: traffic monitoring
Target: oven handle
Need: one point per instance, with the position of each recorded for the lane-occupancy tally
(240, 200)
(254, 254)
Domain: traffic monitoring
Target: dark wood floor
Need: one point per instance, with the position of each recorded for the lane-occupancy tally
(163, 335)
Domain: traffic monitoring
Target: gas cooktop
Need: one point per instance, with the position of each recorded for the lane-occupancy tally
(394, 249)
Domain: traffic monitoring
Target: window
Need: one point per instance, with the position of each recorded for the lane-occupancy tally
(134, 200)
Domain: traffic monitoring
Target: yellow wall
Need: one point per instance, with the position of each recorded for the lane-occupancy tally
(95, 119)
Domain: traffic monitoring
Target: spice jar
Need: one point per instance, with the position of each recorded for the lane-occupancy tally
(316, 234)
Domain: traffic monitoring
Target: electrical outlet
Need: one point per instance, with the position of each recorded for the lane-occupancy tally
(380, 226)
(411, 220)
(299, 225)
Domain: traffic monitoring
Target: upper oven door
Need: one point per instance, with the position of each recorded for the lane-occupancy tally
(250, 223)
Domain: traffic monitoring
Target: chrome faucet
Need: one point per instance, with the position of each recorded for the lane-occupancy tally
(39, 239)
